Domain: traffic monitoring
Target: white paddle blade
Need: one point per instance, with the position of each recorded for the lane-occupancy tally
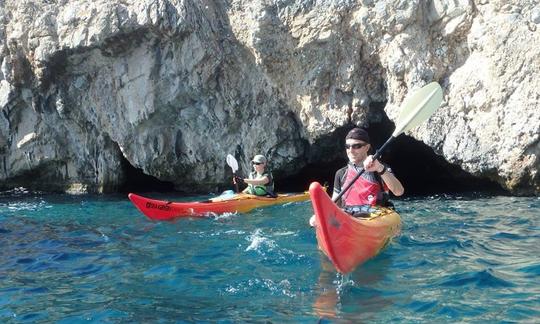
(231, 161)
(419, 107)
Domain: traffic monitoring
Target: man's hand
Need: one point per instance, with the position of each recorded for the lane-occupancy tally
(373, 165)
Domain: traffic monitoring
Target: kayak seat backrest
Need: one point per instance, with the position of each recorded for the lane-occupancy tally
(361, 215)
(360, 211)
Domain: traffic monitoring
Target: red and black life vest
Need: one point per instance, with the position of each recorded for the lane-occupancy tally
(365, 190)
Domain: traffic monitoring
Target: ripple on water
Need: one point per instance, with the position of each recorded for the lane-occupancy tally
(507, 236)
(423, 306)
(531, 271)
(96, 317)
(34, 317)
(68, 256)
(482, 279)
(25, 260)
(89, 269)
(249, 286)
(414, 264)
(431, 242)
(37, 290)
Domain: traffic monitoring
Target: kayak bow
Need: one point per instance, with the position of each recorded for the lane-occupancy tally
(349, 241)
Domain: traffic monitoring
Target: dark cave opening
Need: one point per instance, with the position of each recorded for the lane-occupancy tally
(136, 181)
(417, 166)
(421, 171)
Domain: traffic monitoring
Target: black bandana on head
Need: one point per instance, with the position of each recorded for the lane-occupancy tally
(358, 134)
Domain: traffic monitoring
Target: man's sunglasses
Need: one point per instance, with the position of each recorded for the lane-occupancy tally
(355, 146)
(257, 163)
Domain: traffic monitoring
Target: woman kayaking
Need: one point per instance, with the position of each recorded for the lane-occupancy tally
(260, 181)
(373, 185)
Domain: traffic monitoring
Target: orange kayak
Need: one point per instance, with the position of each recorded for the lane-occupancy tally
(350, 241)
(237, 203)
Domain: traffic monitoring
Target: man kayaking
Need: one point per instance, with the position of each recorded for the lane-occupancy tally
(260, 182)
(373, 185)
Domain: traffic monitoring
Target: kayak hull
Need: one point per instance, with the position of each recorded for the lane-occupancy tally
(239, 203)
(349, 241)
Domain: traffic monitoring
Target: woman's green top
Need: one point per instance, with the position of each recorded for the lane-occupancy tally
(261, 190)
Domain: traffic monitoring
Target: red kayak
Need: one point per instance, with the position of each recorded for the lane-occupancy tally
(237, 203)
(350, 241)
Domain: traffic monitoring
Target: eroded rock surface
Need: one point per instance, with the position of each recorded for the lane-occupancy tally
(173, 86)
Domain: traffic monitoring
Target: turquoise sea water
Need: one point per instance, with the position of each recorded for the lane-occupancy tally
(92, 259)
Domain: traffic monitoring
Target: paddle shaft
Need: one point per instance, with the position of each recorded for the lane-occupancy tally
(375, 157)
(236, 183)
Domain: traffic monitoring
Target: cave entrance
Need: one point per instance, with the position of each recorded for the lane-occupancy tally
(421, 171)
(137, 181)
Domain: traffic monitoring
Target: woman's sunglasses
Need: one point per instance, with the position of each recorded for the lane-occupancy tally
(257, 163)
(355, 146)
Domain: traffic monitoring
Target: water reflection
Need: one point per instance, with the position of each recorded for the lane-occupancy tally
(338, 295)
(326, 303)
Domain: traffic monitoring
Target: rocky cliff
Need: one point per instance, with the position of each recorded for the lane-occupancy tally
(171, 87)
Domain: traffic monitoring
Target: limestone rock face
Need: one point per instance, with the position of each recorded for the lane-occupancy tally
(172, 87)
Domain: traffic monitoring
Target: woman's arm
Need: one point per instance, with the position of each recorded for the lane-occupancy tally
(257, 182)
